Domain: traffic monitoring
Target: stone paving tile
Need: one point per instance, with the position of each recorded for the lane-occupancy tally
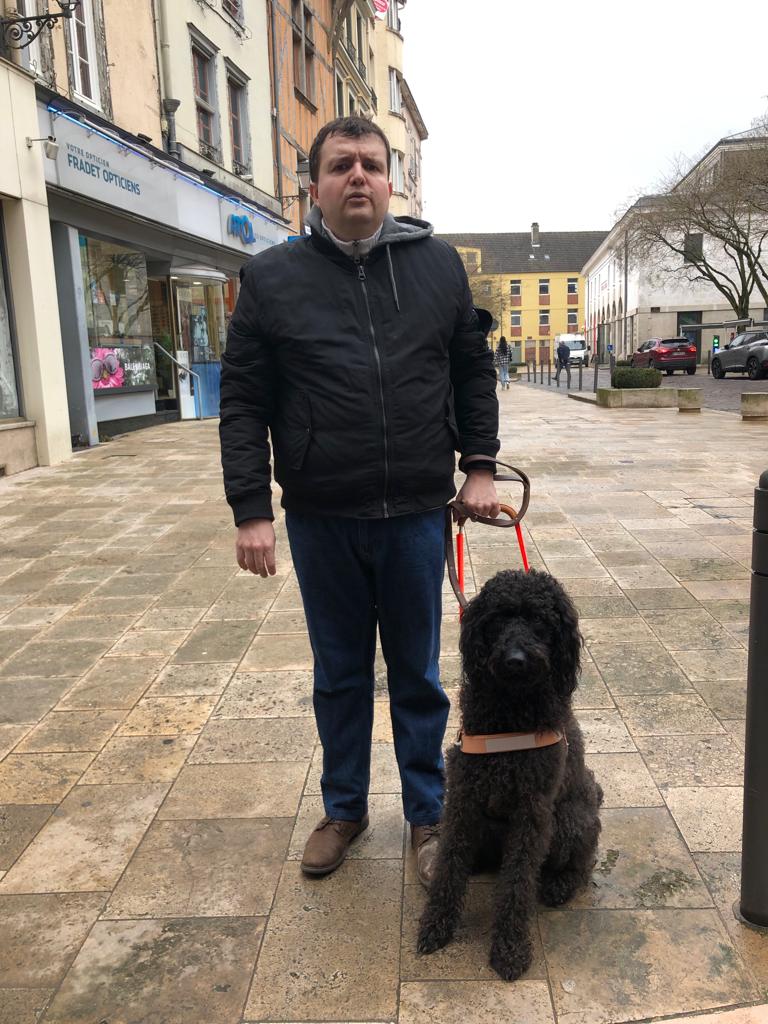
(722, 873)
(175, 971)
(284, 622)
(688, 630)
(604, 732)
(713, 665)
(659, 599)
(148, 642)
(32, 616)
(182, 680)
(667, 714)
(691, 760)
(718, 590)
(28, 699)
(40, 778)
(625, 780)
(23, 1005)
(13, 640)
(638, 668)
(604, 607)
(168, 716)
(88, 841)
(112, 683)
(604, 587)
(137, 759)
(19, 825)
(41, 936)
(69, 731)
(685, 569)
(270, 739)
(727, 698)
(593, 982)
(286, 651)
(615, 630)
(223, 868)
(382, 840)
(266, 790)
(709, 817)
(465, 958)
(216, 642)
(89, 627)
(745, 1015)
(59, 658)
(326, 930)
(134, 584)
(735, 728)
(642, 862)
(171, 618)
(481, 1002)
(281, 694)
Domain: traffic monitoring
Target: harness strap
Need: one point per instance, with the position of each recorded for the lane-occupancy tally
(501, 742)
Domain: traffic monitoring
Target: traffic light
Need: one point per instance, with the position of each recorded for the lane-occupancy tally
(715, 342)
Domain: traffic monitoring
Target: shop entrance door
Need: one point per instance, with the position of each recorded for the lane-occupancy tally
(203, 308)
(167, 399)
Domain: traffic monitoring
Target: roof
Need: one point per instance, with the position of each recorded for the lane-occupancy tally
(510, 253)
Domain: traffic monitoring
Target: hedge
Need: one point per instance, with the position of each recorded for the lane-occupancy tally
(626, 377)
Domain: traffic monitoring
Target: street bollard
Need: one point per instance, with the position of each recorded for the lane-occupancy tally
(753, 907)
(709, 363)
(528, 369)
(541, 373)
(595, 384)
(549, 374)
(581, 367)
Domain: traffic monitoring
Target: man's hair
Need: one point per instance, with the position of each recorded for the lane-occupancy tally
(353, 128)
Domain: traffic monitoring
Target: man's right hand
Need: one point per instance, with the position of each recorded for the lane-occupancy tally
(255, 547)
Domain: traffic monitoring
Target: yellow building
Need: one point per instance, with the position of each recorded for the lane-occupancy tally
(530, 282)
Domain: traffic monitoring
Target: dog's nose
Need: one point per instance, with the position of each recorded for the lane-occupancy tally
(516, 660)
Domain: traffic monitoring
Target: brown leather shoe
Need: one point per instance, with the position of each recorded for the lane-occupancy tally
(424, 840)
(327, 846)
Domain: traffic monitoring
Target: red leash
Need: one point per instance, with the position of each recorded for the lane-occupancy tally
(460, 552)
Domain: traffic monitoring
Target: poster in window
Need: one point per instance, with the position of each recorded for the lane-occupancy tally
(129, 366)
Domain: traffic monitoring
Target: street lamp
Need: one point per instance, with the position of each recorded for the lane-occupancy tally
(14, 29)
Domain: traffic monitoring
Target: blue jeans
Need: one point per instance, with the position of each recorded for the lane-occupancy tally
(353, 574)
(504, 373)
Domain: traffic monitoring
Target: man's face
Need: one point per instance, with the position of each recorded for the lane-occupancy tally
(353, 187)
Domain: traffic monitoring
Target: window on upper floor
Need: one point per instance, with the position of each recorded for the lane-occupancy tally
(693, 248)
(339, 97)
(398, 179)
(303, 51)
(573, 319)
(395, 95)
(234, 8)
(82, 44)
(204, 73)
(515, 287)
(543, 286)
(352, 103)
(393, 16)
(30, 55)
(573, 286)
(543, 318)
(515, 319)
(238, 121)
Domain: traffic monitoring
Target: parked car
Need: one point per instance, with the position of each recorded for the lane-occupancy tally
(747, 353)
(668, 354)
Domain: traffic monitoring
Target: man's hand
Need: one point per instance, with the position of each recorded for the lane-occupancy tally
(479, 493)
(255, 547)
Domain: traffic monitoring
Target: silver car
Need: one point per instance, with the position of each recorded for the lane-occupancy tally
(747, 353)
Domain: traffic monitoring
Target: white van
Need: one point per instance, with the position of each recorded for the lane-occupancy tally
(577, 344)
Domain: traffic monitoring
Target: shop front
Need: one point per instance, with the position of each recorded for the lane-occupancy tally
(147, 263)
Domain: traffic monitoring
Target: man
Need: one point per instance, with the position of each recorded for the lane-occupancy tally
(359, 350)
(563, 362)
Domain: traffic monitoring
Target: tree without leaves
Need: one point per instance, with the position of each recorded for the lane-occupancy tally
(722, 200)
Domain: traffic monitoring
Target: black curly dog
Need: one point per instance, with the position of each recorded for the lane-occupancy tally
(531, 814)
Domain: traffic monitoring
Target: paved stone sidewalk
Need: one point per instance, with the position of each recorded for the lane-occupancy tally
(159, 767)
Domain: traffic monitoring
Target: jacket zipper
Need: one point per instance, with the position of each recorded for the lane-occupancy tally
(362, 279)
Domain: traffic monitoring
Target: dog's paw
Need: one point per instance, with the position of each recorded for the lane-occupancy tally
(433, 935)
(555, 890)
(510, 961)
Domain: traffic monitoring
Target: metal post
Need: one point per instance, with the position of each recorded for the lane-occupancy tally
(549, 374)
(596, 361)
(528, 369)
(541, 373)
(709, 363)
(581, 367)
(754, 852)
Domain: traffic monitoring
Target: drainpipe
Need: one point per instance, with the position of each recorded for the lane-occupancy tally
(276, 109)
(626, 288)
(170, 106)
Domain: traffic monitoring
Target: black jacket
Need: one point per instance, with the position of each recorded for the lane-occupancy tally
(367, 375)
(563, 354)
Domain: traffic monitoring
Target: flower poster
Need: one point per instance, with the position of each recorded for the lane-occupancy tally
(129, 366)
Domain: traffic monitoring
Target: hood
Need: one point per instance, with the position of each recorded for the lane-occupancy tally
(393, 230)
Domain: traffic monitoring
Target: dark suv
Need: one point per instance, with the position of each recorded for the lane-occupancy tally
(667, 354)
(747, 353)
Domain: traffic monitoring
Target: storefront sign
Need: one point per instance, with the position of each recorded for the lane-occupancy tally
(91, 163)
(129, 366)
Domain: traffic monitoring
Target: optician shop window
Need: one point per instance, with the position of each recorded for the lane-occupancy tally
(9, 395)
(118, 317)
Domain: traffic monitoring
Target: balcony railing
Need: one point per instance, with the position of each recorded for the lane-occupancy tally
(362, 69)
(207, 149)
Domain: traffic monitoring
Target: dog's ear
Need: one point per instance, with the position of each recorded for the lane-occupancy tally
(568, 641)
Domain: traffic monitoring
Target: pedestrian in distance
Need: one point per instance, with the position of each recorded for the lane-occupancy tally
(501, 359)
(358, 352)
(563, 359)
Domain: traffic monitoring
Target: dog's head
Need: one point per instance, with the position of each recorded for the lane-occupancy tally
(521, 633)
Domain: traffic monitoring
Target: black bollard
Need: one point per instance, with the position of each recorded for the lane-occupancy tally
(549, 374)
(528, 369)
(709, 363)
(753, 907)
(541, 373)
(595, 386)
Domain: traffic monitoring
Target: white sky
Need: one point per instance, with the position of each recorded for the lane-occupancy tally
(561, 112)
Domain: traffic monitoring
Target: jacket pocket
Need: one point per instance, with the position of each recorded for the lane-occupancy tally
(297, 431)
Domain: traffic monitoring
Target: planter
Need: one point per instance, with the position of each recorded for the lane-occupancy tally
(754, 405)
(689, 399)
(637, 398)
